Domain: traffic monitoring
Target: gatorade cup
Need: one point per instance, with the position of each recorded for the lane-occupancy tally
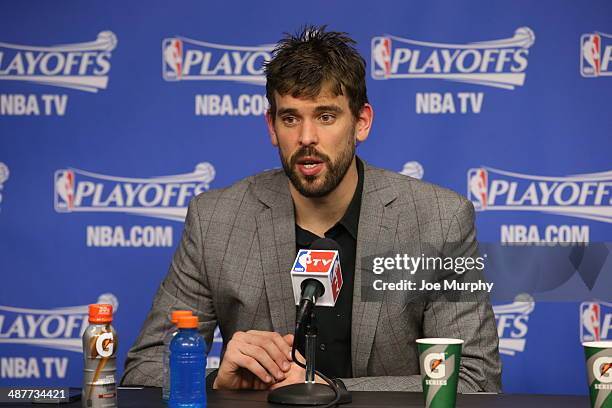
(599, 372)
(439, 360)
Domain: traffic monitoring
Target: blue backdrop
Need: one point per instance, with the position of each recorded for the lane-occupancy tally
(113, 115)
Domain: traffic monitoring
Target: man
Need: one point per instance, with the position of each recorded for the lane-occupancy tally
(232, 265)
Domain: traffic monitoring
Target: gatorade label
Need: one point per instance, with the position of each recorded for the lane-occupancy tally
(99, 352)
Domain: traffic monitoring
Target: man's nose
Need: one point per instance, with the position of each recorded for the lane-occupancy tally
(308, 133)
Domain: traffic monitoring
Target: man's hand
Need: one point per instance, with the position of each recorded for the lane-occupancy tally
(254, 360)
(296, 374)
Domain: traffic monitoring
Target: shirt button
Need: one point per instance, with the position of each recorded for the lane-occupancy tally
(322, 346)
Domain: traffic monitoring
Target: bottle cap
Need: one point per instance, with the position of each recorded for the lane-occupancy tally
(100, 313)
(179, 313)
(187, 322)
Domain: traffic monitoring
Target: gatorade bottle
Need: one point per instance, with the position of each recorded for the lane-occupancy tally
(166, 359)
(187, 366)
(99, 352)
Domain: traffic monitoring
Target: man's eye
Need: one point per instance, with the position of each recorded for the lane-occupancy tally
(327, 118)
(289, 120)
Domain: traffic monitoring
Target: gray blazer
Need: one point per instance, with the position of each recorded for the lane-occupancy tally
(232, 269)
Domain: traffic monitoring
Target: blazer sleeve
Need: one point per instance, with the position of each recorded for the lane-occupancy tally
(184, 287)
(469, 319)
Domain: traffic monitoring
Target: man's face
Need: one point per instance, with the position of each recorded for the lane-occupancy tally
(316, 140)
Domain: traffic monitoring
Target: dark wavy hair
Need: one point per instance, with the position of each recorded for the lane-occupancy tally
(303, 62)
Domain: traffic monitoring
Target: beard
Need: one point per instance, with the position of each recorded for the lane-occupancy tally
(336, 170)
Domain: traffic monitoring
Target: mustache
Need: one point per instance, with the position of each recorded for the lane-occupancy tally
(308, 151)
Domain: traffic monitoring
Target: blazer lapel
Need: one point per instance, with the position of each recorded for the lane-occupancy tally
(276, 233)
(378, 222)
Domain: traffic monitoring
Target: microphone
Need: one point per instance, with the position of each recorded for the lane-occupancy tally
(316, 277)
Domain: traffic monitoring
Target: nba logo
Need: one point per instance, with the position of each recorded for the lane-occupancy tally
(478, 187)
(64, 190)
(381, 57)
(172, 49)
(590, 321)
(595, 321)
(303, 259)
(590, 55)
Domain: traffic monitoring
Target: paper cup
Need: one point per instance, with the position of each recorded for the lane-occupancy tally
(599, 372)
(439, 360)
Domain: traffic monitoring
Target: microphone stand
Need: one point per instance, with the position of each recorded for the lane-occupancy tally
(310, 349)
(309, 392)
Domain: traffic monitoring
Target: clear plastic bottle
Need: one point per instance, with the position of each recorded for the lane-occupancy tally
(187, 366)
(99, 353)
(166, 355)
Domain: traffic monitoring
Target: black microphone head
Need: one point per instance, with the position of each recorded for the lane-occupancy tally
(325, 244)
(317, 288)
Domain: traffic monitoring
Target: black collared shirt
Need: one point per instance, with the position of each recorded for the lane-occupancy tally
(334, 323)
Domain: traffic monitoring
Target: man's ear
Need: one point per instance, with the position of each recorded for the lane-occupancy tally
(271, 131)
(364, 123)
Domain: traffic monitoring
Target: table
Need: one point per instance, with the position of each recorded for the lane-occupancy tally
(151, 398)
